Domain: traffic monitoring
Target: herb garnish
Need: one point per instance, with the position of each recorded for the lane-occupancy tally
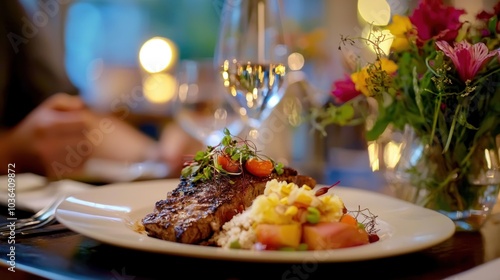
(226, 158)
(368, 220)
(324, 190)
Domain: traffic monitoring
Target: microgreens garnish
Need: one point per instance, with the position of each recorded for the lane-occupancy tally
(233, 150)
(367, 219)
(324, 190)
(279, 168)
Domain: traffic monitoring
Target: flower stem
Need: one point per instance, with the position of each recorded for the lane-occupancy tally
(452, 128)
(435, 118)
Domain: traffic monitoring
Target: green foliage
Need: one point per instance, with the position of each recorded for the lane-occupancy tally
(449, 114)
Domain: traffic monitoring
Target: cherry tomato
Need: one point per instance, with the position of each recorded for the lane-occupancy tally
(259, 168)
(349, 219)
(228, 164)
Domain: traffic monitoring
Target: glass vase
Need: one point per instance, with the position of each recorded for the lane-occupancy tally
(465, 189)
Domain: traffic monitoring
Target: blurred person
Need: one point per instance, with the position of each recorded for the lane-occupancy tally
(45, 127)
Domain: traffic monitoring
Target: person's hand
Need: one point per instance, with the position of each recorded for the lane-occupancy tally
(61, 134)
(177, 147)
(48, 139)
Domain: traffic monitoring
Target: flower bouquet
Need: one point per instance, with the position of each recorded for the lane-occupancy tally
(440, 84)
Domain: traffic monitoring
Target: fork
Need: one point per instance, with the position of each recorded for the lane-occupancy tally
(45, 216)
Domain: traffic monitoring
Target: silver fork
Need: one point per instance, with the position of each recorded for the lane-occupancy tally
(42, 218)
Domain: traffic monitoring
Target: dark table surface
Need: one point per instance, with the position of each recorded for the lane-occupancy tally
(70, 255)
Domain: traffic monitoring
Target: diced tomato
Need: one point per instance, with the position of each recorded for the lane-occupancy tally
(258, 167)
(228, 164)
(278, 236)
(333, 235)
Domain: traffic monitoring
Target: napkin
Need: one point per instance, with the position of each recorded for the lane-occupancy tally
(34, 192)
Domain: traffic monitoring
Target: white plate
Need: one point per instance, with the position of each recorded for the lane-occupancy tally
(107, 214)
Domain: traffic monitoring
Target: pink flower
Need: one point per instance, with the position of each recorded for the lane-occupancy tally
(468, 59)
(345, 90)
(486, 16)
(434, 20)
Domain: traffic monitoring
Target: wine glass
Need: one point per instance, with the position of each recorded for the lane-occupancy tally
(202, 107)
(251, 55)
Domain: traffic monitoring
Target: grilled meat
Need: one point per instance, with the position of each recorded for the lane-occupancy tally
(192, 212)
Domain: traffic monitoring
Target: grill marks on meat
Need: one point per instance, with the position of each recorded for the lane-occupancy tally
(191, 213)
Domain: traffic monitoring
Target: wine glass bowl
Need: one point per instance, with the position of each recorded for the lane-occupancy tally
(251, 54)
(255, 87)
(202, 107)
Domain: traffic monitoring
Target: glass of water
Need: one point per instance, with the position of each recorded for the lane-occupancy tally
(202, 106)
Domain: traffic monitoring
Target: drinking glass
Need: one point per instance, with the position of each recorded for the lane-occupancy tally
(202, 107)
(251, 55)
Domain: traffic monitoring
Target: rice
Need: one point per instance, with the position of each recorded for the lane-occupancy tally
(238, 230)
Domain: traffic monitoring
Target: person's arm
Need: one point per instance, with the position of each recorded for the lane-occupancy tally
(5, 157)
(45, 135)
(113, 138)
(32, 64)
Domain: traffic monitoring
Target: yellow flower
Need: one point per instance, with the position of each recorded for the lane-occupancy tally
(361, 78)
(388, 66)
(399, 28)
